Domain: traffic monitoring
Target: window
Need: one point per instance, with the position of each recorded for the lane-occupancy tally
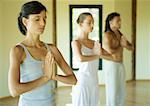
(96, 34)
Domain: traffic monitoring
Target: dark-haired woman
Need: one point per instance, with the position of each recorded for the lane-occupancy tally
(114, 42)
(31, 73)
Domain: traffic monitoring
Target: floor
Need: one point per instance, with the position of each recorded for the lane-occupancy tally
(138, 94)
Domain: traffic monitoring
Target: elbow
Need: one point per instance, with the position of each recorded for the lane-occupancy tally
(75, 81)
(14, 93)
(81, 59)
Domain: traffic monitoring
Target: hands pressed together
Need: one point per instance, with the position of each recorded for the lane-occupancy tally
(124, 42)
(97, 49)
(48, 67)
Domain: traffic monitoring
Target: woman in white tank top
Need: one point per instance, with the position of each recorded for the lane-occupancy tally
(31, 73)
(86, 91)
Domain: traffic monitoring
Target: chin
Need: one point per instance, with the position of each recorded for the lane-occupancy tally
(39, 33)
(42, 31)
(91, 30)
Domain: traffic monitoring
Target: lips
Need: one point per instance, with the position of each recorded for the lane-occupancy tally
(41, 29)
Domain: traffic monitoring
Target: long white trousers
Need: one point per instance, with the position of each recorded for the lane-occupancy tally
(115, 83)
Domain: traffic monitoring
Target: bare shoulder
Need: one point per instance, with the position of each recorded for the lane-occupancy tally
(53, 47)
(17, 49)
(76, 43)
(108, 36)
(17, 52)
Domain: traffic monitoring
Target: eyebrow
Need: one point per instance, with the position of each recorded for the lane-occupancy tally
(39, 16)
(91, 20)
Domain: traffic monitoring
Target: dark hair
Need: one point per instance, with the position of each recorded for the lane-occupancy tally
(108, 19)
(32, 7)
(82, 17)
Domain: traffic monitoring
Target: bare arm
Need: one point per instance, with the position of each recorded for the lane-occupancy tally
(129, 46)
(108, 44)
(107, 56)
(125, 43)
(69, 77)
(77, 51)
(109, 52)
(15, 86)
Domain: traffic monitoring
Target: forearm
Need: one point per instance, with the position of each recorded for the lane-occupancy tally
(129, 46)
(114, 50)
(110, 57)
(107, 56)
(20, 88)
(84, 58)
(69, 79)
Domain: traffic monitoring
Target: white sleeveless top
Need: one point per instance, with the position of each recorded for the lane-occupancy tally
(88, 71)
(31, 69)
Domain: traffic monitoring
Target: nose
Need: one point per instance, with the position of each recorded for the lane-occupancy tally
(42, 22)
(92, 25)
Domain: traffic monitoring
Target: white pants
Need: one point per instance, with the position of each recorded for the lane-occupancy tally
(85, 95)
(115, 83)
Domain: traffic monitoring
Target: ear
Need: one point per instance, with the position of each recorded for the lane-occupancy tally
(24, 21)
(110, 22)
(80, 24)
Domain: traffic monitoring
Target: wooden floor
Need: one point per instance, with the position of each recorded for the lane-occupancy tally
(138, 94)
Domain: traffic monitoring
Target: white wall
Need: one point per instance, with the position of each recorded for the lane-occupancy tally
(143, 40)
(0, 47)
(10, 34)
(124, 7)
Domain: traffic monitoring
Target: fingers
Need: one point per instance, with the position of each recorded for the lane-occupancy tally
(49, 59)
(49, 56)
(124, 38)
(97, 44)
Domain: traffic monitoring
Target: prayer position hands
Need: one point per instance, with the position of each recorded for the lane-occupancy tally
(124, 42)
(48, 66)
(97, 49)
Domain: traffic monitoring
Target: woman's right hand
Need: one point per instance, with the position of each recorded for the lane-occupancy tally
(48, 65)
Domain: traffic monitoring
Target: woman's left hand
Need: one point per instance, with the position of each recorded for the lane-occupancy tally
(97, 49)
(124, 42)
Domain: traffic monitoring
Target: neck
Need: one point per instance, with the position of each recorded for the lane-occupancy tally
(114, 29)
(32, 40)
(83, 35)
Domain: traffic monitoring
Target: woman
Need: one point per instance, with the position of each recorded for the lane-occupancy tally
(31, 73)
(114, 42)
(85, 92)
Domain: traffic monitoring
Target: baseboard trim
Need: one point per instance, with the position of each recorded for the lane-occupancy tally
(145, 80)
(5, 97)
